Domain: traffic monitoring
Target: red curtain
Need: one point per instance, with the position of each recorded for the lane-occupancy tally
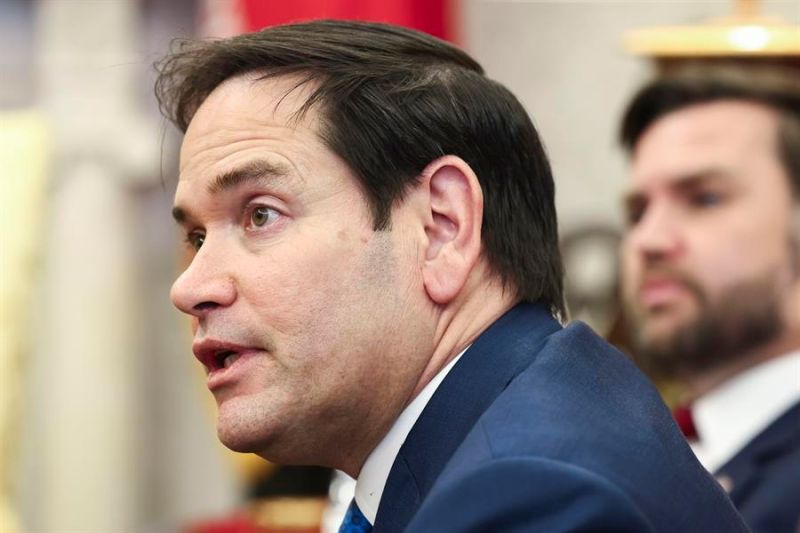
(431, 16)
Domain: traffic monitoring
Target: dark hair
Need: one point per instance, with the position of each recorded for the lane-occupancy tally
(392, 100)
(771, 86)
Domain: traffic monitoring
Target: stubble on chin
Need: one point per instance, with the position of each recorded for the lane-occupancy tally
(719, 333)
(246, 424)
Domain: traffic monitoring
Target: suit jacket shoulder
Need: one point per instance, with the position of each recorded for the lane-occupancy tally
(527, 493)
(551, 429)
(764, 477)
(462, 397)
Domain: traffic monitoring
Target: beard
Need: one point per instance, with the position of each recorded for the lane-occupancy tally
(724, 331)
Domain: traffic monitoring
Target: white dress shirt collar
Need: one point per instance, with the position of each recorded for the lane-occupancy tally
(730, 416)
(375, 471)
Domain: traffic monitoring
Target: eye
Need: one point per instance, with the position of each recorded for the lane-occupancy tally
(195, 239)
(261, 216)
(706, 199)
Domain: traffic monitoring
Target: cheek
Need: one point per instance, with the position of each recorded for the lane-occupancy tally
(740, 252)
(303, 294)
(629, 268)
(289, 291)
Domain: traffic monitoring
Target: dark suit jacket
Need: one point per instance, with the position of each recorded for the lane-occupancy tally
(765, 477)
(539, 428)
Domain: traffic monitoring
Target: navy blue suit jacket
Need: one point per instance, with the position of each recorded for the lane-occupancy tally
(765, 477)
(544, 428)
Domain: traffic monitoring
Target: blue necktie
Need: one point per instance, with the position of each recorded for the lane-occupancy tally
(355, 521)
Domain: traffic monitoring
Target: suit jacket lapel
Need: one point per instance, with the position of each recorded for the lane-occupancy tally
(742, 473)
(486, 368)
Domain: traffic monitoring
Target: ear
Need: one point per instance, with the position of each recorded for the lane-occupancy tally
(453, 229)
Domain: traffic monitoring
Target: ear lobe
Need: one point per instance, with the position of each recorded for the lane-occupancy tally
(454, 227)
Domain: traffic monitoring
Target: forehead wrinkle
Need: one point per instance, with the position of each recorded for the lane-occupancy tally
(275, 108)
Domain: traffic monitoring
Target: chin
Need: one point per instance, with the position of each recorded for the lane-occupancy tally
(231, 440)
(264, 446)
(242, 432)
(237, 441)
(665, 321)
(656, 336)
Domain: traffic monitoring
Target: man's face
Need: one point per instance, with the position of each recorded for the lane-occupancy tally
(312, 325)
(708, 257)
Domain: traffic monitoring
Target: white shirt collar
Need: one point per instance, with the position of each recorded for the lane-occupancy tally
(730, 416)
(375, 472)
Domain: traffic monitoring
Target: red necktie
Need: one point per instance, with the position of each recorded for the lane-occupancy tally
(683, 416)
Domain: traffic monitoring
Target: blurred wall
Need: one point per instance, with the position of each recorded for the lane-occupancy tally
(116, 430)
(564, 60)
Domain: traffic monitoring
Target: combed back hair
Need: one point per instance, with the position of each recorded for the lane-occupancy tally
(390, 101)
(775, 87)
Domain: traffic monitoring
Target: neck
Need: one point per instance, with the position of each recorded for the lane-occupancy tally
(453, 327)
(461, 322)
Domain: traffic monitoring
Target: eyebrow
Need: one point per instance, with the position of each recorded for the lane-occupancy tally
(685, 183)
(256, 170)
(253, 171)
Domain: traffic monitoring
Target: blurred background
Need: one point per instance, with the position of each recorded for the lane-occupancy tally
(105, 422)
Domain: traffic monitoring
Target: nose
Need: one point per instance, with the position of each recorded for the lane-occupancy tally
(657, 236)
(205, 285)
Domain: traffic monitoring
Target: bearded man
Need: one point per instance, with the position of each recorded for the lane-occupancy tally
(711, 272)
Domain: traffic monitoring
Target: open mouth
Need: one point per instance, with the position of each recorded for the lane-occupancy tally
(217, 355)
(224, 359)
